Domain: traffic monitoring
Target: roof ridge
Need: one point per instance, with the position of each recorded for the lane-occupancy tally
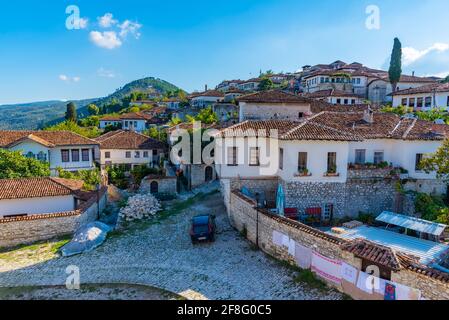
(409, 128)
(61, 184)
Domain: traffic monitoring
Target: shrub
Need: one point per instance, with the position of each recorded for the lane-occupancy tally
(91, 178)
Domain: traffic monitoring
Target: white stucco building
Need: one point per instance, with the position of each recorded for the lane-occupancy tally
(314, 158)
(336, 97)
(23, 197)
(423, 98)
(137, 121)
(63, 149)
(205, 99)
(129, 149)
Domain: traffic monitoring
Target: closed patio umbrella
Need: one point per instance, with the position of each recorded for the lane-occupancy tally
(280, 200)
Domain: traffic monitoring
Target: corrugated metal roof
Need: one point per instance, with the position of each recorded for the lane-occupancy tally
(412, 223)
(426, 251)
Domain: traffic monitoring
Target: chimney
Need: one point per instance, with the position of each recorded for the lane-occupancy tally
(368, 115)
(413, 73)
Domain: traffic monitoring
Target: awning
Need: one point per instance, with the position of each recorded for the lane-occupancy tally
(412, 223)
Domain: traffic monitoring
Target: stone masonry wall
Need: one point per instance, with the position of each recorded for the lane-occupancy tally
(14, 232)
(243, 216)
(198, 174)
(166, 185)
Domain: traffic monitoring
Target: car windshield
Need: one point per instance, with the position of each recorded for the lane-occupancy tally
(203, 228)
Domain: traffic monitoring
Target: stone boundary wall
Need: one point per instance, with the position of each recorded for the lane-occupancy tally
(29, 229)
(243, 216)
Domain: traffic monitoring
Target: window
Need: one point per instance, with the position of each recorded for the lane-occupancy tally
(332, 162)
(107, 155)
(85, 154)
(154, 152)
(65, 156)
(360, 156)
(42, 156)
(322, 80)
(428, 102)
(378, 157)
(232, 156)
(404, 102)
(302, 162)
(420, 103)
(254, 157)
(145, 154)
(281, 159)
(419, 158)
(328, 212)
(358, 81)
(346, 101)
(137, 154)
(300, 115)
(338, 101)
(411, 102)
(30, 155)
(128, 154)
(353, 101)
(75, 155)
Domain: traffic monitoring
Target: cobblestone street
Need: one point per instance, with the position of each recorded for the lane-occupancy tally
(161, 255)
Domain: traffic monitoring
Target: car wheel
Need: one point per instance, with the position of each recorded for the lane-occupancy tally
(193, 240)
(212, 238)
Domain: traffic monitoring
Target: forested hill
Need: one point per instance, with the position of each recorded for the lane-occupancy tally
(36, 115)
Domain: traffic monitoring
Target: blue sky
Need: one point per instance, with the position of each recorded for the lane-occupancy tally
(193, 43)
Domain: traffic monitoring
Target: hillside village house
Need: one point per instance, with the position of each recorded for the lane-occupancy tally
(250, 85)
(334, 96)
(63, 149)
(228, 85)
(22, 197)
(273, 104)
(205, 99)
(130, 149)
(137, 121)
(355, 78)
(423, 98)
(321, 160)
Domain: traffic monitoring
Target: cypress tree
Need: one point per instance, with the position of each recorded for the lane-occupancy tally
(395, 70)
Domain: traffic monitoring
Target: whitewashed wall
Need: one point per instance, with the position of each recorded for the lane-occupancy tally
(119, 157)
(266, 111)
(37, 205)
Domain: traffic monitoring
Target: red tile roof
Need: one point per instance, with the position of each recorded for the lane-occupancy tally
(209, 93)
(32, 188)
(428, 89)
(273, 96)
(128, 140)
(342, 126)
(47, 138)
(373, 252)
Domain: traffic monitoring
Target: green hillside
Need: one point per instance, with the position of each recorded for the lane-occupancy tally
(37, 115)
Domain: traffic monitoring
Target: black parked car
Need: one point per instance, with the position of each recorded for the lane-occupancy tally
(203, 228)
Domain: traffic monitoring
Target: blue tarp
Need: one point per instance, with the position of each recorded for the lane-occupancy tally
(86, 239)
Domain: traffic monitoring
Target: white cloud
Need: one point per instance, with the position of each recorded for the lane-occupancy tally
(102, 72)
(411, 55)
(107, 20)
(107, 39)
(83, 22)
(130, 27)
(67, 79)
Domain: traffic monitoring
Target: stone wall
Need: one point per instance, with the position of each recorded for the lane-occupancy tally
(198, 174)
(166, 185)
(369, 173)
(243, 216)
(26, 230)
(429, 186)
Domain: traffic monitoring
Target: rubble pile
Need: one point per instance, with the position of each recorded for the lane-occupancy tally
(141, 206)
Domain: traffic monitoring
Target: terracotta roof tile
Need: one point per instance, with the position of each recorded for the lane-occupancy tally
(121, 139)
(428, 89)
(50, 138)
(373, 252)
(273, 96)
(32, 188)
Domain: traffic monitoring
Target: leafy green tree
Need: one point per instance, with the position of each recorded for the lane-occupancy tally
(92, 121)
(93, 109)
(207, 116)
(438, 162)
(70, 114)
(446, 80)
(265, 84)
(395, 70)
(74, 127)
(91, 178)
(14, 165)
(174, 121)
(156, 134)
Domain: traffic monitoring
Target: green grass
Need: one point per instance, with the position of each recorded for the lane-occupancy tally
(308, 277)
(46, 249)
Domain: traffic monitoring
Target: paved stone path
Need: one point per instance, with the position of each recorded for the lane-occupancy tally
(162, 255)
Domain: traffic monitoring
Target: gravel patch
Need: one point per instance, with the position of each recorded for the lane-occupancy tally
(161, 255)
